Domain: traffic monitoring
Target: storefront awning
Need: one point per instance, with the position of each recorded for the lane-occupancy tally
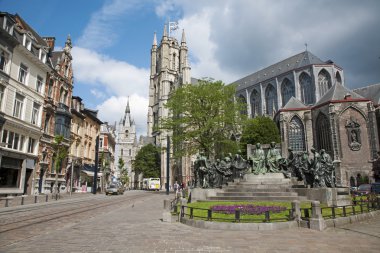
(91, 173)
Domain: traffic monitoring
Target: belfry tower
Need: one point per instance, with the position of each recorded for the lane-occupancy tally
(169, 69)
(126, 144)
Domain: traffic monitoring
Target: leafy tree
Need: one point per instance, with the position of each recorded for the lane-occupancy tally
(124, 178)
(121, 164)
(147, 161)
(60, 154)
(204, 117)
(260, 129)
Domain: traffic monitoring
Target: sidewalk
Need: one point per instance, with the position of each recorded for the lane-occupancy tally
(42, 198)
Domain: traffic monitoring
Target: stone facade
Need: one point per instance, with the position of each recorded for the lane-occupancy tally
(127, 146)
(23, 73)
(326, 115)
(56, 116)
(169, 70)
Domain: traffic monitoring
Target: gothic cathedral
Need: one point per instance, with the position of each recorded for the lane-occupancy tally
(169, 69)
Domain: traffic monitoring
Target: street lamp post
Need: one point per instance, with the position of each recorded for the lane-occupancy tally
(167, 163)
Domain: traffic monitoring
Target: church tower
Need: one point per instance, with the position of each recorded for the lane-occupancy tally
(169, 70)
(126, 143)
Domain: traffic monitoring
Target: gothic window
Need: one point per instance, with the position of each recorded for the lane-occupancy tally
(287, 91)
(338, 78)
(323, 133)
(270, 97)
(255, 103)
(296, 135)
(324, 82)
(307, 89)
(244, 102)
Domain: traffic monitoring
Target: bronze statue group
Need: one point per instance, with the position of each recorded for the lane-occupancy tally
(317, 171)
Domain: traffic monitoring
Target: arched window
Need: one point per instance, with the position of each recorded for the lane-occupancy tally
(307, 89)
(287, 91)
(324, 82)
(296, 134)
(323, 133)
(270, 97)
(338, 78)
(255, 103)
(244, 102)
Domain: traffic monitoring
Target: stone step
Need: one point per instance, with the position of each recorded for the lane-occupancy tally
(278, 189)
(256, 198)
(257, 194)
(258, 186)
(251, 176)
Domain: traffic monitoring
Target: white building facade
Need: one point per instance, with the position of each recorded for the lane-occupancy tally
(23, 72)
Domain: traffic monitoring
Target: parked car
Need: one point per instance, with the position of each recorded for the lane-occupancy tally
(375, 188)
(115, 188)
(363, 189)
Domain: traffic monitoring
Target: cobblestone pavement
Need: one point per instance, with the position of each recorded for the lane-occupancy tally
(136, 226)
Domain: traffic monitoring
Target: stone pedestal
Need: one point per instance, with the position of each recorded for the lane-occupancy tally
(327, 196)
(203, 194)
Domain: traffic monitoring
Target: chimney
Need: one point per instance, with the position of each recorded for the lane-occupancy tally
(50, 41)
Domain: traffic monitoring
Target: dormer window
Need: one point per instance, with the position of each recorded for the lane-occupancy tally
(4, 59)
(7, 26)
(43, 55)
(27, 42)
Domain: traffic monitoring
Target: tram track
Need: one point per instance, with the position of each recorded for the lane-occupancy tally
(32, 224)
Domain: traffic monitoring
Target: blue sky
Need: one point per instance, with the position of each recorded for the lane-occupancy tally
(227, 40)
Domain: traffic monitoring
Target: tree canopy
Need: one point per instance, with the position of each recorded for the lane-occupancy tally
(147, 161)
(60, 151)
(203, 118)
(260, 129)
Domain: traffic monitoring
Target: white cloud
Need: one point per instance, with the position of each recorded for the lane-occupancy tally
(97, 93)
(115, 77)
(230, 39)
(101, 30)
(112, 110)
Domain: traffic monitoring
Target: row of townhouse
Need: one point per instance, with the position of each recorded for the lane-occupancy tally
(36, 105)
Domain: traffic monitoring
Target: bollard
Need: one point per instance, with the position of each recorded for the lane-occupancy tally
(209, 214)
(267, 217)
(35, 199)
(191, 213)
(344, 211)
(47, 198)
(22, 200)
(6, 202)
(316, 221)
(295, 213)
(237, 215)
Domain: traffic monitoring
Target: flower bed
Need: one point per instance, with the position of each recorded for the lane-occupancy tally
(247, 209)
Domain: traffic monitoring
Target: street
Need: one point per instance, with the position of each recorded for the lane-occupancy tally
(132, 223)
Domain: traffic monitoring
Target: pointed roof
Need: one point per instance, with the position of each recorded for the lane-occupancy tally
(338, 92)
(127, 109)
(372, 92)
(294, 62)
(183, 40)
(165, 34)
(294, 103)
(154, 39)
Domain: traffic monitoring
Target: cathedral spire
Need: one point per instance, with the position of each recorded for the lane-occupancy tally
(127, 110)
(183, 40)
(154, 39)
(165, 34)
